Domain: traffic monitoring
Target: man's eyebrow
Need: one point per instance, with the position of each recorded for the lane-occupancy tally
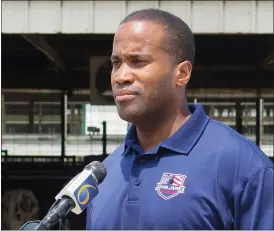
(114, 57)
(131, 55)
(138, 55)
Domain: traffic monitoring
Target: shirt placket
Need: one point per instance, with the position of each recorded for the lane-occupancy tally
(132, 208)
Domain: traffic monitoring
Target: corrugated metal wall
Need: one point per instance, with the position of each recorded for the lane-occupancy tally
(104, 16)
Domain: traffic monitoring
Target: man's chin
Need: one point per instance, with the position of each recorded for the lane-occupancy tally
(128, 114)
(127, 117)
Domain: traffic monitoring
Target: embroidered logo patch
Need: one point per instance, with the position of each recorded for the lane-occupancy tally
(170, 185)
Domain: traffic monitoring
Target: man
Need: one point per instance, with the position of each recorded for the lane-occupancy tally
(177, 169)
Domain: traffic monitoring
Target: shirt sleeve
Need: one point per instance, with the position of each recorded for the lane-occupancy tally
(253, 205)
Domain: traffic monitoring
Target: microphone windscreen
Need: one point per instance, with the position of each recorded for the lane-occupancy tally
(98, 169)
(31, 225)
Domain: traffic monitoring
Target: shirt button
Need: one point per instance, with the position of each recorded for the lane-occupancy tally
(142, 160)
(137, 182)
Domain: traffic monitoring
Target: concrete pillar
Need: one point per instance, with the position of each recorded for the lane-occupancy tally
(239, 117)
(72, 121)
(40, 106)
(31, 116)
(259, 120)
(3, 114)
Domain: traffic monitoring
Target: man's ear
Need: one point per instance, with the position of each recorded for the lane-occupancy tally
(183, 73)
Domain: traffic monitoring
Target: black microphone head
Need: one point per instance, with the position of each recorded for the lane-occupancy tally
(98, 170)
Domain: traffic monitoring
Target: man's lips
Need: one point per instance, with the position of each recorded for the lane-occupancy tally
(122, 95)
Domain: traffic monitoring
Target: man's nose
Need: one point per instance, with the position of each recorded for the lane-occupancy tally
(124, 75)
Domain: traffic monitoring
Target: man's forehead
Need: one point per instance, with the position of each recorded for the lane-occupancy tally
(138, 36)
(133, 47)
(139, 30)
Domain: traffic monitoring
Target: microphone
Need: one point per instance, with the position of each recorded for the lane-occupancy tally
(74, 197)
(31, 225)
(83, 187)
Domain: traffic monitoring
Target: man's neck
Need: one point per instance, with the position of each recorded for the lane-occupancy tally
(158, 130)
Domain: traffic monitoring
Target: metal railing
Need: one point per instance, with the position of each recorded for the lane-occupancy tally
(35, 128)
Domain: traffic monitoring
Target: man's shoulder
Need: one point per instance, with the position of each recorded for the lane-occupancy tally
(237, 147)
(237, 159)
(114, 155)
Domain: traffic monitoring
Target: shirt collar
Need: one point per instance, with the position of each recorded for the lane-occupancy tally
(182, 141)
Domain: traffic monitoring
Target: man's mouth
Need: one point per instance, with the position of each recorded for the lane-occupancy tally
(123, 95)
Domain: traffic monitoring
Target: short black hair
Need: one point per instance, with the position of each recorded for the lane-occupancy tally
(181, 44)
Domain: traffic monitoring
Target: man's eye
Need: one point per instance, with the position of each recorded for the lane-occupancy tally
(115, 63)
(137, 61)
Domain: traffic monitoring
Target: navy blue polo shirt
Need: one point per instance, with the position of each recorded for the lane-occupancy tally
(205, 176)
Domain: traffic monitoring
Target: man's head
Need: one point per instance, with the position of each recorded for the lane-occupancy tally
(152, 58)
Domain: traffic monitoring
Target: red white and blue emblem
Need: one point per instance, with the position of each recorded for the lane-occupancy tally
(170, 185)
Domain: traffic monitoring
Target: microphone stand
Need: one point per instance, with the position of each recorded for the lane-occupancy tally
(57, 212)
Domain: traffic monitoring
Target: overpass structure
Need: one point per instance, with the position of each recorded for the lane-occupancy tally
(103, 17)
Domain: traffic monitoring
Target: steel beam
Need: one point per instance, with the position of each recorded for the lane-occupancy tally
(41, 44)
(80, 80)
